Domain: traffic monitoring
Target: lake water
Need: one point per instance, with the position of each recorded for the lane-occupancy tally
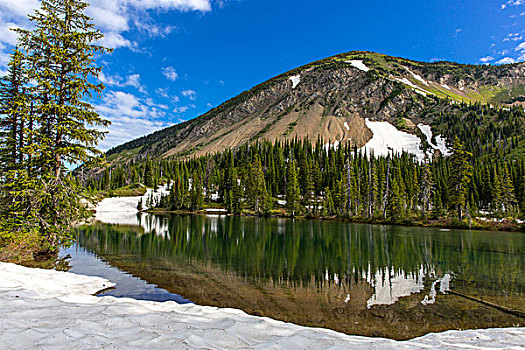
(397, 282)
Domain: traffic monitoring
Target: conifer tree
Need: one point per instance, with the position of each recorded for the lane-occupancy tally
(292, 190)
(14, 115)
(460, 174)
(427, 185)
(64, 128)
(256, 189)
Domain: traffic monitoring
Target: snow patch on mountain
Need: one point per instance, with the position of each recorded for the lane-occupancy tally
(440, 141)
(296, 79)
(386, 136)
(359, 65)
(416, 88)
(418, 77)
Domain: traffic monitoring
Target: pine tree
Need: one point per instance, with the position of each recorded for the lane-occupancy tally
(14, 115)
(460, 174)
(196, 194)
(59, 52)
(507, 189)
(427, 185)
(256, 188)
(292, 190)
(148, 173)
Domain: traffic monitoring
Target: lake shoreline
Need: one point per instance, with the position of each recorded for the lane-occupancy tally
(503, 225)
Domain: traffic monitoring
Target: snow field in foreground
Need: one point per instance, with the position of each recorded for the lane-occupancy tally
(51, 309)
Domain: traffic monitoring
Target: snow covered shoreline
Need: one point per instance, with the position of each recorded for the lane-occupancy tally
(51, 309)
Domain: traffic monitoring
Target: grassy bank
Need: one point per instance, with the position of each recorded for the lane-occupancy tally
(506, 224)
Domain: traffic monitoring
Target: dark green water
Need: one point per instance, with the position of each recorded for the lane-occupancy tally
(324, 273)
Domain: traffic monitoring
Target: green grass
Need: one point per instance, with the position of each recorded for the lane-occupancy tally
(291, 126)
(132, 190)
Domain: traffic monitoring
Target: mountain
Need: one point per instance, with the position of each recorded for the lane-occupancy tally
(368, 99)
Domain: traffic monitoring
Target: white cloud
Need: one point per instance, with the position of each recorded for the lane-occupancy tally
(506, 60)
(456, 32)
(131, 117)
(153, 30)
(180, 5)
(521, 50)
(512, 3)
(192, 95)
(113, 17)
(513, 37)
(115, 41)
(162, 92)
(486, 59)
(132, 80)
(108, 15)
(170, 73)
(180, 109)
(520, 47)
(7, 35)
(19, 7)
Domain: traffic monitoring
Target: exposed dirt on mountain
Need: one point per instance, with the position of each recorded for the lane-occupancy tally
(326, 94)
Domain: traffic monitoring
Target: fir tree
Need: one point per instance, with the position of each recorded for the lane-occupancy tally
(460, 174)
(63, 127)
(292, 190)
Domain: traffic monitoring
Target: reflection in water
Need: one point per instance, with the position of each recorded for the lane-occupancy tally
(391, 285)
(84, 262)
(316, 272)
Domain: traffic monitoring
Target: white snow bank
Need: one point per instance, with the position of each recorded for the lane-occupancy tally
(416, 88)
(296, 79)
(359, 65)
(386, 135)
(216, 210)
(129, 204)
(57, 314)
(123, 211)
(418, 77)
(14, 277)
(440, 141)
(441, 145)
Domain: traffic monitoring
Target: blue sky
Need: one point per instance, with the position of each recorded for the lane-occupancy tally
(176, 59)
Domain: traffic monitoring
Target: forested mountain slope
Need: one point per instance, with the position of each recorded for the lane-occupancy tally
(340, 98)
(295, 146)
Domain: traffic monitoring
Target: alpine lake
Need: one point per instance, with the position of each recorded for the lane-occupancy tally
(371, 280)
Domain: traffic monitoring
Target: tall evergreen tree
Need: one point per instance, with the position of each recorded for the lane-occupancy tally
(14, 115)
(256, 192)
(64, 128)
(293, 196)
(460, 174)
